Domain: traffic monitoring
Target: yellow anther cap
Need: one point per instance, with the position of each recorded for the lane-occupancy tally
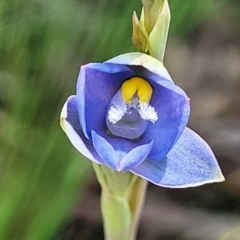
(139, 86)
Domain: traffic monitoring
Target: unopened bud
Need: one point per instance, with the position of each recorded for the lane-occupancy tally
(151, 32)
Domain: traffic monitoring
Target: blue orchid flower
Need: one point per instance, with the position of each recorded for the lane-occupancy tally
(128, 114)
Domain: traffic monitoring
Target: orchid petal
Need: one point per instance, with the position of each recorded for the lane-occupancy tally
(96, 85)
(69, 121)
(144, 60)
(172, 105)
(118, 154)
(190, 163)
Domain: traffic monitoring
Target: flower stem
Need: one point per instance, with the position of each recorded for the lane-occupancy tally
(122, 199)
(136, 201)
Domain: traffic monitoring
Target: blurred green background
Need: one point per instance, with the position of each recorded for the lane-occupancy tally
(43, 180)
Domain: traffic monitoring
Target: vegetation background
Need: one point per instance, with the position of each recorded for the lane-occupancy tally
(47, 190)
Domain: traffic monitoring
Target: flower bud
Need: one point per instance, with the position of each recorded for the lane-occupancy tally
(151, 31)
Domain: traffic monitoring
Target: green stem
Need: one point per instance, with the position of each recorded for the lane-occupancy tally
(116, 216)
(136, 201)
(122, 199)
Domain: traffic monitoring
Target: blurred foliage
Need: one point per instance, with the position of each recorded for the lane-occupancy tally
(42, 45)
(187, 15)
